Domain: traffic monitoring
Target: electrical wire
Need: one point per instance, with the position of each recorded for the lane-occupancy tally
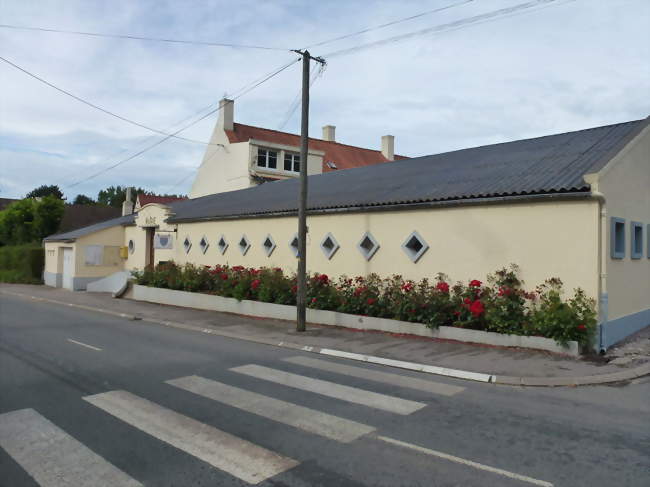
(316, 72)
(458, 24)
(388, 24)
(149, 147)
(144, 38)
(96, 107)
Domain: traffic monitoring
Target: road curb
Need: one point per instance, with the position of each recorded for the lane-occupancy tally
(621, 376)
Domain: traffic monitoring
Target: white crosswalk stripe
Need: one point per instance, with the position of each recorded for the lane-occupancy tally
(377, 376)
(331, 389)
(238, 457)
(54, 458)
(306, 419)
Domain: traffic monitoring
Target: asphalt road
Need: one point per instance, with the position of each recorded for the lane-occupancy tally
(91, 400)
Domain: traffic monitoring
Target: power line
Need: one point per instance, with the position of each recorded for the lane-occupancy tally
(388, 24)
(133, 156)
(458, 24)
(143, 38)
(316, 72)
(96, 107)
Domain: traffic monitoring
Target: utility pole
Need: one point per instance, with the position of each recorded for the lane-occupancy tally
(301, 298)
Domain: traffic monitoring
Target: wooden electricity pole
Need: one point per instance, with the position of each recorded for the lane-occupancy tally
(301, 298)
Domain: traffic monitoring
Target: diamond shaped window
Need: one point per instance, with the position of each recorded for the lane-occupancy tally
(131, 246)
(368, 246)
(187, 245)
(222, 244)
(268, 245)
(293, 245)
(204, 244)
(329, 246)
(244, 244)
(414, 246)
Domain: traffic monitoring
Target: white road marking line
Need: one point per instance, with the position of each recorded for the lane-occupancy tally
(54, 458)
(429, 369)
(462, 461)
(84, 345)
(377, 376)
(331, 389)
(311, 420)
(238, 457)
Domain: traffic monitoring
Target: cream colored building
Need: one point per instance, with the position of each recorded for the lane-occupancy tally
(241, 156)
(573, 205)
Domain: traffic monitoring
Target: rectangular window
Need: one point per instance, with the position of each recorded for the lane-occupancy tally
(291, 162)
(636, 240)
(93, 255)
(617, 238)
(267, 158)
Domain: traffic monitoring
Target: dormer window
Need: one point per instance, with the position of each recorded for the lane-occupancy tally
(291, 162)
(267, 158)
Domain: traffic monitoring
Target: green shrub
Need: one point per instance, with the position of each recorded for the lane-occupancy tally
(22, 263)
(500, 305)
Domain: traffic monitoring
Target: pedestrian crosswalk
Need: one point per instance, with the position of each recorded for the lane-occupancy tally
(27, 435)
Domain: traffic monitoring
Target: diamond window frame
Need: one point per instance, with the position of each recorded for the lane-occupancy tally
(222, 247)
(131, 246)
(329, 252)
(204, 244)
(268, 249)
(187, 244)
(295, 250)
(368, 253)
(413, 254)
(244, 248)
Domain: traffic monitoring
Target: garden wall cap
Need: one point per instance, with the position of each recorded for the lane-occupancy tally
(545, 166)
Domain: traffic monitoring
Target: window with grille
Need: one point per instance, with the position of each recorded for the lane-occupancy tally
(267, 158)
(291, 162)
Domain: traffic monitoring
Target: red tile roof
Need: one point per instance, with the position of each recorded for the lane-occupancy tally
(145, 199)
(344, 156)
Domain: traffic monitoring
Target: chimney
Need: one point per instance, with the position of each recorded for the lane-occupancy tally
(226, 113)
(388, 147)
(328, 133)
(127, 206)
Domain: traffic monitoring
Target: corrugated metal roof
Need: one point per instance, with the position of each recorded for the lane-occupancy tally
(80, 232)
(543, 165)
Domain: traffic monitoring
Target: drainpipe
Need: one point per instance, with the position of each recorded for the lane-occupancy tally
(603, 299)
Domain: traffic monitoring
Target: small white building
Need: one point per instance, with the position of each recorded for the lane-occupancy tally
(240, 156)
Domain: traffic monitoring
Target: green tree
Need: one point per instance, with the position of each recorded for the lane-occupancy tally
(45, 190)
(30, 220)
(114, 195)
(82, 199)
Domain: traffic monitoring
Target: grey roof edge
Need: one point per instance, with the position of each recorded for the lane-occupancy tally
(71, 236)
(419, 205)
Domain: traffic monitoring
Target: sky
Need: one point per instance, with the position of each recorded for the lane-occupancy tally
(560, 66)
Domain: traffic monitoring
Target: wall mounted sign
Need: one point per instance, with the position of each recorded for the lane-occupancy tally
(150, 221)
(163, 241)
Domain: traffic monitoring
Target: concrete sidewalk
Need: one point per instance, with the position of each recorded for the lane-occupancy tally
(510, 366)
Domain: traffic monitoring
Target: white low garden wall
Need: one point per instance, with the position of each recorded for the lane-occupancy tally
(321, 317)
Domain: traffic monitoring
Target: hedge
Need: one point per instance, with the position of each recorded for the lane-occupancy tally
(500, 304)
(22, 263)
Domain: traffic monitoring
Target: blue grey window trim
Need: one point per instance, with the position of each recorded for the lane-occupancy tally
(636, 240)
(647, 240)
(617, 251)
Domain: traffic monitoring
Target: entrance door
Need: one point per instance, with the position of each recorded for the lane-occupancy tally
(68, 268)
(150, 257)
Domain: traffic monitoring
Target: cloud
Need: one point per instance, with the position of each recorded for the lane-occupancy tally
(566, 67)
